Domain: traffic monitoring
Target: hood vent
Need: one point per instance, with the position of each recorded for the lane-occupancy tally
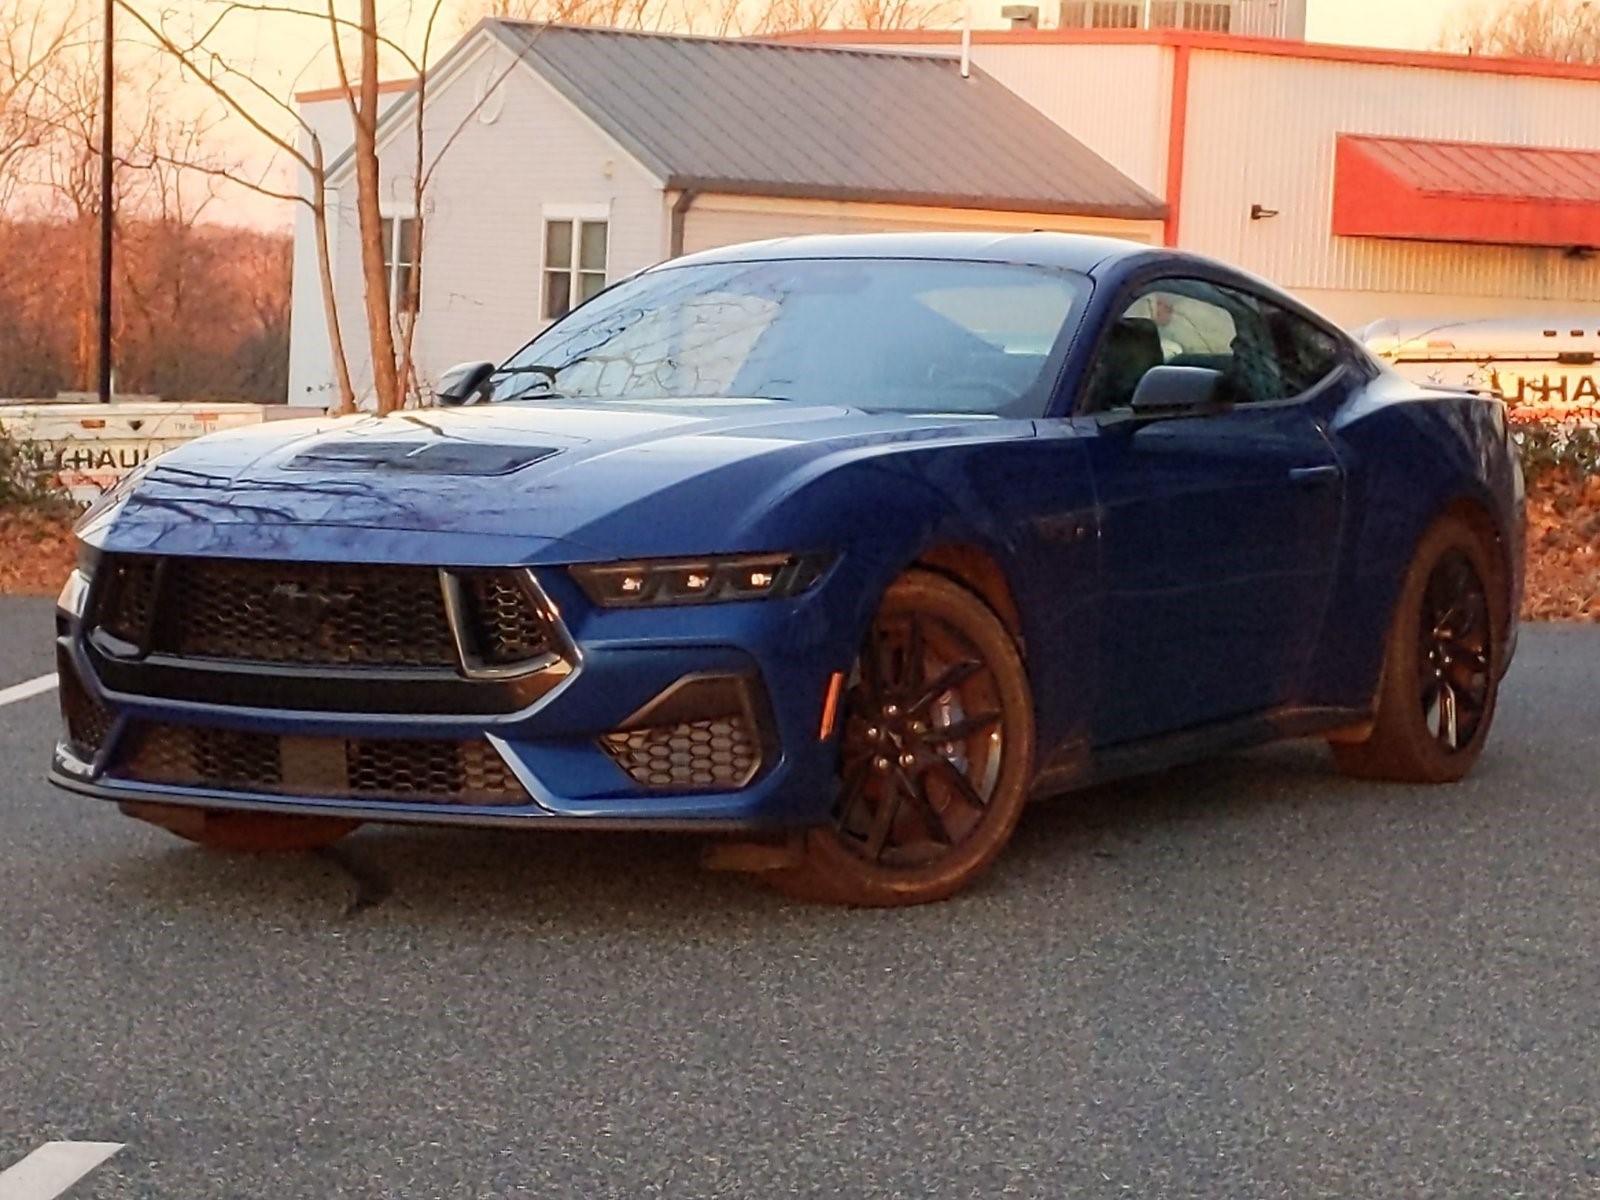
(423, 458)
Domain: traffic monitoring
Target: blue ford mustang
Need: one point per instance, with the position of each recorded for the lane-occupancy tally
(837, 548)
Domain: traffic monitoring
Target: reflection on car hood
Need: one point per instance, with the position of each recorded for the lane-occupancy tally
(581, 479)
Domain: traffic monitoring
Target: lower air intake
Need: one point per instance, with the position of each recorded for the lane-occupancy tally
(722, 753)
(87, 721)
(394, 769)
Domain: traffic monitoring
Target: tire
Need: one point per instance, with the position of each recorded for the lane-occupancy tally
(918, 818)
(1442, 664)
(243, 832)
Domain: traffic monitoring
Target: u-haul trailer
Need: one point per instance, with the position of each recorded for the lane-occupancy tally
(89, 446)
(1539, 364)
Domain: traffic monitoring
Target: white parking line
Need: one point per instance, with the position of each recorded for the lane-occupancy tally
(21, 691)
(53, 1168)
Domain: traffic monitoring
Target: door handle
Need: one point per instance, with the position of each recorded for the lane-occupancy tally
(1313, 476)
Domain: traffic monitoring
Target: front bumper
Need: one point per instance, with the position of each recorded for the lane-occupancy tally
(787, 650)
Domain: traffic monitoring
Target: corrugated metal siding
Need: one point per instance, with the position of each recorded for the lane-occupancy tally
(1114, 99)
(1262, 131)
(484, 229)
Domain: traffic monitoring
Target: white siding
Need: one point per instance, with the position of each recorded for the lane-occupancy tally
(725, 220)
(483, 220)
(1262, 131)
(310, 359)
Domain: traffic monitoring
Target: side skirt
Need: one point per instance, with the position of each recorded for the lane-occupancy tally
(1079, 766)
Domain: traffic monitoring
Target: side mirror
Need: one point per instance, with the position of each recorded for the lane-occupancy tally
(463, 383)
(1178, 391)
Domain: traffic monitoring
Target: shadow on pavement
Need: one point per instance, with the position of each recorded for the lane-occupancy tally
(495, 877)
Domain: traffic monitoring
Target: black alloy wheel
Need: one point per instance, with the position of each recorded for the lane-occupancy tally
(935, 753)
(1442, 663)
(1455, 637)
(922, 743)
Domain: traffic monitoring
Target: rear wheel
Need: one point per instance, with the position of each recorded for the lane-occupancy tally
(936, 754)
(242, 832)
(1441, 670)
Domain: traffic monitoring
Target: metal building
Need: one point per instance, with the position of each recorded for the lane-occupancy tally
(1375, 183)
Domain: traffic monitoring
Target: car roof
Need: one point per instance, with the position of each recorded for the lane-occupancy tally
(1074, 252)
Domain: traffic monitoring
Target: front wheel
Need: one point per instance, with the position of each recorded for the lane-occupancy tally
(1442, 665)
(936, 754)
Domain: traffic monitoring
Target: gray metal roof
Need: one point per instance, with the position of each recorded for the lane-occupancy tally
(766, 119)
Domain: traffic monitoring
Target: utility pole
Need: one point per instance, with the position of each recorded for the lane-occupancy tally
(106, 216)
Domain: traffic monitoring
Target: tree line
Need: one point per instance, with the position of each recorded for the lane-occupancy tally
(201, 310)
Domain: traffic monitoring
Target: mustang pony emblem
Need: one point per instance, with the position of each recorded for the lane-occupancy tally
(303, 609)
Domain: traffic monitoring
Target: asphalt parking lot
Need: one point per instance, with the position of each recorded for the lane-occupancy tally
(1249, 978)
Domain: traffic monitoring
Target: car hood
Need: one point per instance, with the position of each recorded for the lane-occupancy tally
(565, 480)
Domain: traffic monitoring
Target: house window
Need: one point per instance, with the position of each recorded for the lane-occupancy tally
(400, 265)
(574, 263)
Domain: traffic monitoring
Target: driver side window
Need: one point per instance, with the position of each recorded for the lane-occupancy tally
(1187, 323)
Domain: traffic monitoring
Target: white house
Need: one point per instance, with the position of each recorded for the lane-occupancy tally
(574, 157)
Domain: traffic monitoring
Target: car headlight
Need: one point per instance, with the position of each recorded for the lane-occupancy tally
(652, 582)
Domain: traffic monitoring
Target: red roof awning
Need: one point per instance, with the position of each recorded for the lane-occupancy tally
(1466, 192)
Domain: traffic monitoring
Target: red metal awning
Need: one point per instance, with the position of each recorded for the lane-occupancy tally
(1466, 192)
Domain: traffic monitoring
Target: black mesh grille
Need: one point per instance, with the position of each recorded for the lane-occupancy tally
(88, 722)
(128, 588)
(510, 628)
(199, 757)
(439, 772)
(467, 772)
(720, 753)
(321, 614)
(306, 613)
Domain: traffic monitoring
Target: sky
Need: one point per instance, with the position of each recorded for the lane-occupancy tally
(282, 53)
(1405, 24)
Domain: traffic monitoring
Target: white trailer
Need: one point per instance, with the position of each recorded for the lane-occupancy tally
(89, 446)
(1544, 366)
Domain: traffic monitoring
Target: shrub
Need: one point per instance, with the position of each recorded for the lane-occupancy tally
(1570, 444)
(28, 481)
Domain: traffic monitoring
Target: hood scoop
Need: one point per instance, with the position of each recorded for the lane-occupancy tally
(441, 457)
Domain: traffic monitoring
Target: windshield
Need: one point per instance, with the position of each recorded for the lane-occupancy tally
(879, 334)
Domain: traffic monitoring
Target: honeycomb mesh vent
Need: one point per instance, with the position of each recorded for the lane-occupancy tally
(308, 613)
(401, 769)
(87, 721)
(196, 756)
(128, 585)
(510, 628)
(718, 753)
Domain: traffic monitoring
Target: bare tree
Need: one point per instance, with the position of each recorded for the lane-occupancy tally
(1562, 30)
(899, 14)
(390, 328)
(723, 18)
(34, 41)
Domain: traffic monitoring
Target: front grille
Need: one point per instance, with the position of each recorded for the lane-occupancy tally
(398, 769)
(297, 615)
(128, 589)
(509, 626)
(88, 722)
(306, 613)
(719, 753)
